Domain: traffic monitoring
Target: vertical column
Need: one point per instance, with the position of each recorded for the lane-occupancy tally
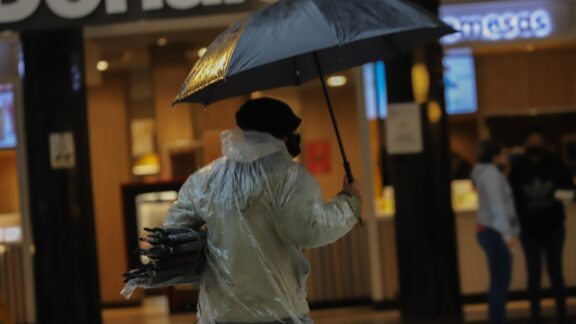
(377, 289)
(55, 121)
(425, 223)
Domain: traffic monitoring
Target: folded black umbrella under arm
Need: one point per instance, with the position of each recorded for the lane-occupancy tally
(177, 257)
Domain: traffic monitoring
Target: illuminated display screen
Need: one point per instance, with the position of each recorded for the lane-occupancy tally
(460, 84)
(7, 118)
(375, 95)
(459, 78)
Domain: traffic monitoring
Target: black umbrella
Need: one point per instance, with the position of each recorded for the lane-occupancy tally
(294, 41)
(176, 256)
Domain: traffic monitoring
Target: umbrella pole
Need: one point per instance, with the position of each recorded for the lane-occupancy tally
(347, 168)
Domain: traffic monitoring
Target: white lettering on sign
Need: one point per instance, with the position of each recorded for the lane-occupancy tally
(72, 9)
(189, 4)
(152, 4)
(212, 2)
(183, 4)
(116, 6)
(499, 26)
(17, 11)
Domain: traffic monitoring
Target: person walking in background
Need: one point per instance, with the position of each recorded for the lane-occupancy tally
(497, 222)
(536, 177)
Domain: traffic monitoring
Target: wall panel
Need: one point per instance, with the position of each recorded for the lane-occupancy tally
(109, 149)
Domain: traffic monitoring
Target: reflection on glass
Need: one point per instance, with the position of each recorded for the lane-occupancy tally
(151, 210)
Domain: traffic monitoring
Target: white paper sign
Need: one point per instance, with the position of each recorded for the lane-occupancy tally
(62, 152)
(404, 129)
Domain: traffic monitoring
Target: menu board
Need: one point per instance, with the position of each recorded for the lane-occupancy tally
(7, 118)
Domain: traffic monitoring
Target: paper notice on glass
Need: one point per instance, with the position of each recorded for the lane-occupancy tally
(62, 151)
(404, 129)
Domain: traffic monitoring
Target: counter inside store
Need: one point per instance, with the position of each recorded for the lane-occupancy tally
(472, 260)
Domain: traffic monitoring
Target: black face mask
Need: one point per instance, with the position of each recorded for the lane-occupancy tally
(293, 144)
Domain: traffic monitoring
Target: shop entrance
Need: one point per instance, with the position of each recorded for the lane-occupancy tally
(16, 250)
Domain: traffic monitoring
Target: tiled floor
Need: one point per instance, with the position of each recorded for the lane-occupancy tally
(155, 311)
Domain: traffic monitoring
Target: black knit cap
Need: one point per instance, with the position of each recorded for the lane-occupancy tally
(267, 115)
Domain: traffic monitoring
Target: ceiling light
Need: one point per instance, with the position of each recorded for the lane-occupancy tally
(202, 51)
(337, 81)
(162, 41)
(102, 66)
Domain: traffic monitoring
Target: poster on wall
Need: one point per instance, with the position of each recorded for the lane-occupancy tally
(7, 117)
(318, 157)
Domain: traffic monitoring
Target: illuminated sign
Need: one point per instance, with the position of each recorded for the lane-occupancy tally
(42, 14)
(375, 94)
(505, 26)
(21, 9)
(7, 117)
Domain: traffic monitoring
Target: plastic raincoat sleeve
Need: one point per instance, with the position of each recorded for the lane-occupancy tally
(183, 213)
(307, 220)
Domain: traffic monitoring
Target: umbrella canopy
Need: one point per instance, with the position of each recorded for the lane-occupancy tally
(278, 46)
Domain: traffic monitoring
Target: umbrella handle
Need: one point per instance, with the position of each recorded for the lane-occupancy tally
(347, 169)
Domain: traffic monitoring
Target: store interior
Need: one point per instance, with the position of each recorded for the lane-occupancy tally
(131, 120)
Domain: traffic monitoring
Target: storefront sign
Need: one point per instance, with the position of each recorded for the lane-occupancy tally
(495, 27)
(35, 14)
(506, 21)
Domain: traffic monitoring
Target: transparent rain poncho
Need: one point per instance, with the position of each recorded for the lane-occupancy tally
(261, 209)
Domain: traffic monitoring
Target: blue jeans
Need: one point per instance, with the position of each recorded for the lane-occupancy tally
(500, 268)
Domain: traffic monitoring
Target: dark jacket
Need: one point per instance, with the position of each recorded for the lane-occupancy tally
(534, 178)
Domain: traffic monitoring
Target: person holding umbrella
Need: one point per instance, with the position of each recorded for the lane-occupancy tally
(261, 208)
